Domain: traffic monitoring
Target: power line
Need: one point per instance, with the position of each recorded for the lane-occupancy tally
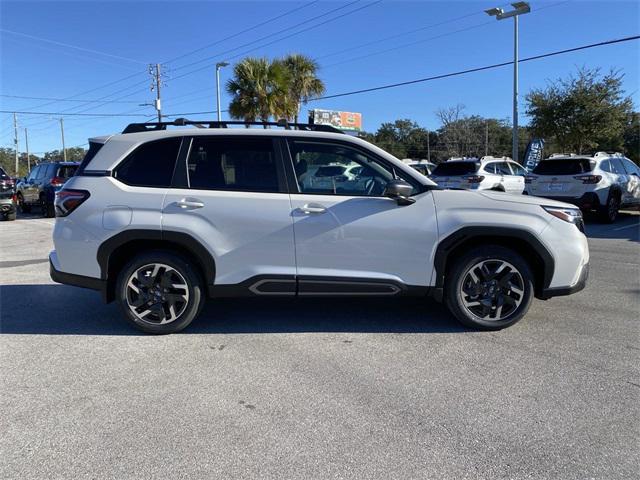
(477, 69)
(70, 46)
(66, 99)
(217, 42)
(77, 114)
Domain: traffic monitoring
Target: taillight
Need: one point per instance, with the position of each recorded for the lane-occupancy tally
(68, 200)
(529, 178)
(57, 181)
(474, 178)
(589, 178)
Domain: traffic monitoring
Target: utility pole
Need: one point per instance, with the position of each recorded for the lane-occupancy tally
(26, 144)
(486, 138)
(15, 142)
(156, 81)
(428, 148)
(64, 150)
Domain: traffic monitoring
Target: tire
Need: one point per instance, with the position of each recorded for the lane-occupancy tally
(497, 300)
(11, 217)
(24, 208)
(171, 270)
(609, 211)
(49, 210)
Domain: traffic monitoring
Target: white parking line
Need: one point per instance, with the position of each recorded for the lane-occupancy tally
(636, 225)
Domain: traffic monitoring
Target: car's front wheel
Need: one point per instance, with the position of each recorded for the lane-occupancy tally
(490, 287)
(160, 292)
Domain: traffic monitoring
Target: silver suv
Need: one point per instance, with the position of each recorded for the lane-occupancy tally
(604, 182)
(158, 219)
(487, 173)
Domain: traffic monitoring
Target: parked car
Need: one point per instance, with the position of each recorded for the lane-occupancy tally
(424, 167)
(604, 182)
(487, 173)
(158, 219)
(38, 189)
(7, 196)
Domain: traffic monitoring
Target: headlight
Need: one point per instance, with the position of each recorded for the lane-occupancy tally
(571, 215)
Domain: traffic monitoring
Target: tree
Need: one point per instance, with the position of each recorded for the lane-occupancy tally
(586, 111)
(74, 154)
(303, 82)
(258, 88)
(631, 137)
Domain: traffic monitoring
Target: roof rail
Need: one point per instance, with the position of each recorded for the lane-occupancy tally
(179, 122)
(557, 155)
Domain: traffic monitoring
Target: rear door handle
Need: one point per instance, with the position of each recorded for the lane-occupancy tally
(189, 204)
(312, 208)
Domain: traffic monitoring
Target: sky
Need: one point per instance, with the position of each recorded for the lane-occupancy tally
(100, 51)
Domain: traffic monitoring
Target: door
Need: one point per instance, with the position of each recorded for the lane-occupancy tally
(622, 180)
(516, 179)
(633, 187)
(229, 193)
(30, 190)
(348, 236)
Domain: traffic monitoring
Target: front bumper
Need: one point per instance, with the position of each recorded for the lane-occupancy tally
(548, 293)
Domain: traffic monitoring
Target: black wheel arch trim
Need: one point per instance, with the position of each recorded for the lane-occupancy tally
(184, 240)
(464, 234)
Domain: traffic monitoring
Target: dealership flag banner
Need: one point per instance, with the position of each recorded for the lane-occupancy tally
(533, 155)
(343, 120)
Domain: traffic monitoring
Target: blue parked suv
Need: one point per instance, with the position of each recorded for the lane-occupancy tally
(38, 189)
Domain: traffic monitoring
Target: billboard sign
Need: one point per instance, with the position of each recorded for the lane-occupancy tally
(342, 120)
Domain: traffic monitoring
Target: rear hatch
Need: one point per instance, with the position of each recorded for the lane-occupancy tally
(557, 177)
(454, 174)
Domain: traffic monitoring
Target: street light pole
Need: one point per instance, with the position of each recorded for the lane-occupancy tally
(64, 150)
(219, 65)
(520, 8)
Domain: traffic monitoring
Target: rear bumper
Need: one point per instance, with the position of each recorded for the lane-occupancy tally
(587, 201)
(548, 293)
(72, 279)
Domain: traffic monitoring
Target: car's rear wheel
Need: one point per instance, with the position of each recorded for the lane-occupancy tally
(609, 211)
(160, 292)
(24, 208)
(490, 287)
(49, 210)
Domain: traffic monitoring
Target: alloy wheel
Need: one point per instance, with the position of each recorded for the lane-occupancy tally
(492, 290)
(157, 293)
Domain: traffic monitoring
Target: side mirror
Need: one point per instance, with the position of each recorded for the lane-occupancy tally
(400, 191)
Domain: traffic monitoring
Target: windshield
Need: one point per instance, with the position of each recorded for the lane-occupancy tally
(455, 168)
(569, 166)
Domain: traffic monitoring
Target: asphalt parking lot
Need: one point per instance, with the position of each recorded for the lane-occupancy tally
(319, 389)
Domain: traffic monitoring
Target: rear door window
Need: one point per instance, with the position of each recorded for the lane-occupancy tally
(617, 167)
(66, 171)
(569, 166)
(453, 169)
(151, 164)
(504, 168)
(235, 164)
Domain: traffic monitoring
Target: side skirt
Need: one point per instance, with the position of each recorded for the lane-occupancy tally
(308, 286)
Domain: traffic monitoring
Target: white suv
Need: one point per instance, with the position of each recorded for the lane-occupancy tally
(160, 219)
(487, 173)
(604, 182)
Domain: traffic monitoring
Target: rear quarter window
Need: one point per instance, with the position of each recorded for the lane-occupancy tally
(151, 164)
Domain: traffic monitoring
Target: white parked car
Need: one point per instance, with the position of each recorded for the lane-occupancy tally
(604, 182)
(423, 166)
(159, 219)
(487, 173)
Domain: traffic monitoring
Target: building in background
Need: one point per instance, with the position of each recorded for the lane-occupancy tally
(349, 121)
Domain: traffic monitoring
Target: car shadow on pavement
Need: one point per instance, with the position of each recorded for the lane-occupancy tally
(63, 310)
(626, 227)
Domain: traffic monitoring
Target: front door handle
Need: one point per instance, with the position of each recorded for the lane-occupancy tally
(189, 204)
(312, 208)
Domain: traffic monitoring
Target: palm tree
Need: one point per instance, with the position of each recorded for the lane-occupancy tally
(257, 88)
(303, 82)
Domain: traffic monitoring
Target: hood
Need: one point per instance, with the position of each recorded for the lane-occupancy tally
(527, 199)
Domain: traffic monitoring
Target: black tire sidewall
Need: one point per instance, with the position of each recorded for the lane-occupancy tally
(194, 285)
(604, 211)
(455, 276)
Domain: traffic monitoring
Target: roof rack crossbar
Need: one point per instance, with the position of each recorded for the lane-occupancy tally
(180, 122)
